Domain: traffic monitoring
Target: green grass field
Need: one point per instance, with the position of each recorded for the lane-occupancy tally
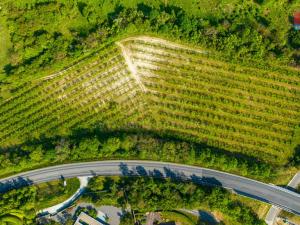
(166, 88)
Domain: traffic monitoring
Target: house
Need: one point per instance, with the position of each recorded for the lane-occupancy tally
(85, 219)
(297, 20)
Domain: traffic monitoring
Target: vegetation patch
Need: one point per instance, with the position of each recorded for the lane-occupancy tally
(211, 83)
(56, 32)
(97, 145)
(18, 205)
(21, 205)
(148, 195)
(186, 95)
(10, 220)
(54, 192)
(180, 217)
(142, 194)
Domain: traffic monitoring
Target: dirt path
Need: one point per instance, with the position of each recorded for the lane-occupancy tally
(131, 66)
(162, 42)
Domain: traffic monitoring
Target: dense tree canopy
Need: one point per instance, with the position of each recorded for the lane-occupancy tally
(46, 32)
(148, 194)
(122, 145)
(19, 202)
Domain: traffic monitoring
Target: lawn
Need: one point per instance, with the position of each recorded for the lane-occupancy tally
(260, 208)
(54, 192)
(179, 217)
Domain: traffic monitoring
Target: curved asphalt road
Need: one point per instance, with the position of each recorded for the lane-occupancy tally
(274, 195)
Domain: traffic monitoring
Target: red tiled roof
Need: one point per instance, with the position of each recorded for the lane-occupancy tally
(297, 18)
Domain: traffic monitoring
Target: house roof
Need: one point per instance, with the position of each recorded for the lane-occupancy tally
(84, 218)
(297, 18)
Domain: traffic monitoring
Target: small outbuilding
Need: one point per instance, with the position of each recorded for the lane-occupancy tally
(84, 219)
(297, 20)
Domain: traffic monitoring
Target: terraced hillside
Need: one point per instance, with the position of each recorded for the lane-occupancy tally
(167, 88)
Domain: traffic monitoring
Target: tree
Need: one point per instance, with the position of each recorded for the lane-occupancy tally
(62, 150)
(110, 146)
(87, 148)
(20, 200)
(37, 154)
(126, 219)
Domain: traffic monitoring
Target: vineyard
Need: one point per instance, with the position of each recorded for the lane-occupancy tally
(167, 88)
(78, 96)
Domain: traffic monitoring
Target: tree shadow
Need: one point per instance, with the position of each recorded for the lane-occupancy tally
(146, 9)
(8, 69)
(141, 171)
(167, 172)
(296, 157)
(115, 13)
(125, 171)
(175, 175)
(14, 183)
(207, 217)
(156, 173)
(210, 181)
(81, 6)
(289, 188)
(171, 9)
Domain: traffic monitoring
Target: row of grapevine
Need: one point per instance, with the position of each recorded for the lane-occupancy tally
(70, 99)
(236, 108)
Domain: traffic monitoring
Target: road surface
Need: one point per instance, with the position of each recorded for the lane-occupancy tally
(272, 194)
(274, 211)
